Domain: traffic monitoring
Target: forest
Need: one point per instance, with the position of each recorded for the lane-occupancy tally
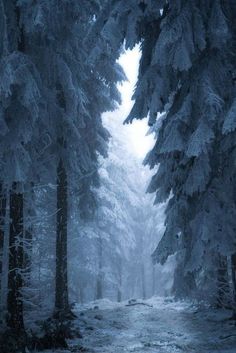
(118, 176)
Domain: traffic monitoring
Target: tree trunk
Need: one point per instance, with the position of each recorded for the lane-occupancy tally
(223, 283)
(28, 236)
(99, 289)
(15, 319)
(61, 288)
(5, 262)
(15, 282)
(3, 204)
(143, 281)
(119, 295)
(119, 291)
(153, 280)
(184, 285)
(99, 284)
(233, 269)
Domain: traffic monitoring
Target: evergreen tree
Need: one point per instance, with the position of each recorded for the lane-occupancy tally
(186, 73)
(19, 112)
(75, 94)
(3, 202)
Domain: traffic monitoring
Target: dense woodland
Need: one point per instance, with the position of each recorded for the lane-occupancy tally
(75, 223)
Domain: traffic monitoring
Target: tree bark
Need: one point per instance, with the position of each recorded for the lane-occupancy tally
(143, 281)
(233, 269)
(184, 285)
(119, 295)
(15, 281)
(119, 291)
(153, 280)
(99, 284)
(61, 288)
(99, 289)
(3, 204)
(28, 236)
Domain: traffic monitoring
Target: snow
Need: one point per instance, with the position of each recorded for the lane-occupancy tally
(162, 326)
(103, 304)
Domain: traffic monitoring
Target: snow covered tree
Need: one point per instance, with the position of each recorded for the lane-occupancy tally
(20, 101)
(51, 128)
(3, 202)
(186, 73)
(19, 95)
(74, 108)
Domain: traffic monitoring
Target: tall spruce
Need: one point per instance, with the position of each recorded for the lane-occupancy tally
(19, 112)
(75, 95)
(186, 74)
(3, 204)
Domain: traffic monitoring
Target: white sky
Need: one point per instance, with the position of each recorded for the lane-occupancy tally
(136, 131)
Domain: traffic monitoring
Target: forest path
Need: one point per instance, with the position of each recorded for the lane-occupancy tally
(166, 327)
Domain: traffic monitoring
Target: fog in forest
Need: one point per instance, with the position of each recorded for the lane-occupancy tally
(126, 230)
(117, 176)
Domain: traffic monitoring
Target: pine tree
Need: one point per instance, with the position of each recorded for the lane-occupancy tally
(3, 205)
(75, 95)
(15, 280)
(99, 284)
(186, 73)
(50, 116)
(19, 112)
(61, 291)
(29, 220)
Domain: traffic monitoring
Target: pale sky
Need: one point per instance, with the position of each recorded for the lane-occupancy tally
(140, 143)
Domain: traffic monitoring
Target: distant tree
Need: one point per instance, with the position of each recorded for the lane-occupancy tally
(75, 94)
(186, 73)
(123, 224)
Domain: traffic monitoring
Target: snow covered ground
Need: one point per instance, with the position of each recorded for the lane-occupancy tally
(163, 327)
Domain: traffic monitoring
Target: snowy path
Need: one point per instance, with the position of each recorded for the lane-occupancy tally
(164, 328)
